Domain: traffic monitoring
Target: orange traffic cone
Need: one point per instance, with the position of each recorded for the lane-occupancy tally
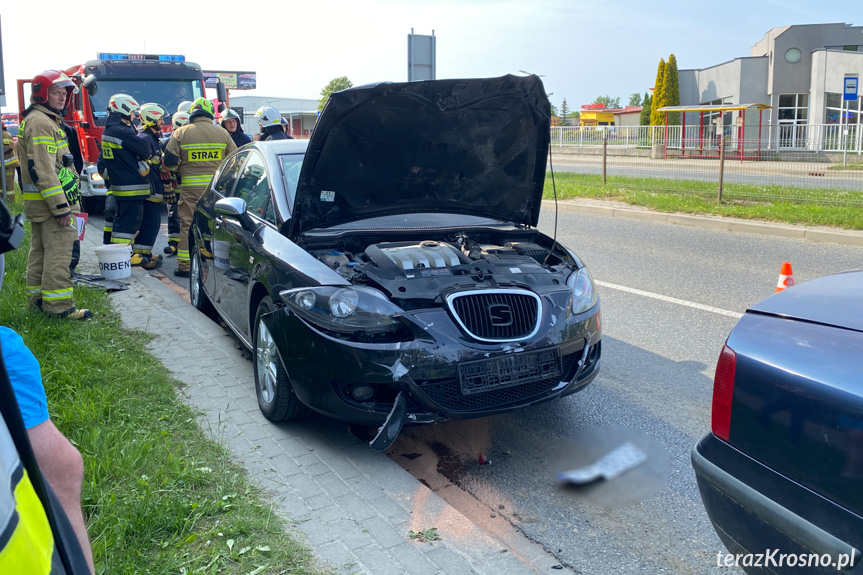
(786, 277)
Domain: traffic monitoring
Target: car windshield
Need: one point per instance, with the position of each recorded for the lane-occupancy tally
(291, 164)
(168, 93)
(419, 220)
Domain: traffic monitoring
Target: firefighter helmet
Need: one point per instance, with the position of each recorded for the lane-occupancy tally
(268, 116)
(151, 113)
(41, 82)
(180, 119)
(184, 106)
(229, 114)
(123, 104)
(203, 106)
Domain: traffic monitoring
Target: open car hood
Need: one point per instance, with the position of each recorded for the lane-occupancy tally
(475, 146)
(832, 300)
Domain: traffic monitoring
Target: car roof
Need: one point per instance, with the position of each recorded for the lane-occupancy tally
(277, 147)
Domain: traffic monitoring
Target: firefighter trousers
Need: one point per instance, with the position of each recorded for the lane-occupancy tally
(173, 224)
(10, 183)
(186, 207)
(110, 213)
(48, 274)
(136, 217)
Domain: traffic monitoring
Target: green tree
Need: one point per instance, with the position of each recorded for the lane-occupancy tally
(644, 117)
(608, 101)
(564, 114)
(634, 99)
(672, 90)
(335, 85)
(656, 117)
(553, 109)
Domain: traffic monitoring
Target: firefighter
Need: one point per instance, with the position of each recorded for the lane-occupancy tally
(230, 120)
(270, 122)
(124, 157)
(150, 129)
(286, 128)
(196, 150)
(10, 157)
(41, 147)
(173, 180)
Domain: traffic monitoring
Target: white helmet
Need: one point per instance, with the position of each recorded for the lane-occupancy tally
(151, 113)
(268, 116)
(180, 119)
(184, 106)
(123, 104)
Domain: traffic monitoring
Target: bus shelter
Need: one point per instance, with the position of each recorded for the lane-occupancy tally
(706, 141)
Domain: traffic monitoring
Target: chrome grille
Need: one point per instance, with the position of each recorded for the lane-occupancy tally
(496, 315)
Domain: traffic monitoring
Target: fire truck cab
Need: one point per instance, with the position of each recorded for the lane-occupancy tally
(165, 79)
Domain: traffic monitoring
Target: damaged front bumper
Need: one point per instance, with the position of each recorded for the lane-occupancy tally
(440, 375)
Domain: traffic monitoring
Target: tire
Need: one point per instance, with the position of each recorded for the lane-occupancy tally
(197, 295)
(276, 397)
(93, 204)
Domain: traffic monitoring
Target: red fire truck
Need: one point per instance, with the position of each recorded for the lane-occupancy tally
(165, 79)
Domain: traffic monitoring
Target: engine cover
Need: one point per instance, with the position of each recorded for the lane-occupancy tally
(426, 254)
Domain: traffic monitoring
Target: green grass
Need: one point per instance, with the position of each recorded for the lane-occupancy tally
(159, 496)
(809, 206)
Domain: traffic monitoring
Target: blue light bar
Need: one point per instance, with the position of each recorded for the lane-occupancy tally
(125, 56)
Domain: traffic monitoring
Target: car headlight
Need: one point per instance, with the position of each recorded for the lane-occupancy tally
(584, 295)
(344, 309)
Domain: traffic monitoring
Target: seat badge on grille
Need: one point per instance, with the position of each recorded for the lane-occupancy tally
(500, 314)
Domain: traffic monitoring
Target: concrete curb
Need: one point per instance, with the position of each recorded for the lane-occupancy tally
(612, 209)
(354, 506)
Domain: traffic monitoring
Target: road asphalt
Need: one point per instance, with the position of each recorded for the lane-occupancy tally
(355, 507)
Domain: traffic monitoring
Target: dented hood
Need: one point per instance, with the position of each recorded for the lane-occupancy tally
(475, 146)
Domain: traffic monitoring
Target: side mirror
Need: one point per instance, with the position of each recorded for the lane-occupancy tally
(221, 91)
(235, 208)
(90, 84)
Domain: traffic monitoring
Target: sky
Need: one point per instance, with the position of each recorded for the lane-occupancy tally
(582, 49)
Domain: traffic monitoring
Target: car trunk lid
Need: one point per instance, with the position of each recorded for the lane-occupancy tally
(797, 401)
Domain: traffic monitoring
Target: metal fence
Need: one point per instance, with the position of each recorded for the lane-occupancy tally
(801, 137)
(798, 166)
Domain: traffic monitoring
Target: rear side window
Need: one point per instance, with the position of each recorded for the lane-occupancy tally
(228, 174)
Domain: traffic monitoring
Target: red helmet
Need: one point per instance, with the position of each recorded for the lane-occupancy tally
(41, 83)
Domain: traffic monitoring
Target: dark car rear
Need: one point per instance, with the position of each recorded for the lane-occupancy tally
(783, 467)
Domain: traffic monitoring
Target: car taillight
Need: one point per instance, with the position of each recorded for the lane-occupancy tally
(723, 389)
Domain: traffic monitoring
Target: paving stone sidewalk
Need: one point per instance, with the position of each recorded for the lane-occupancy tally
(354, 505)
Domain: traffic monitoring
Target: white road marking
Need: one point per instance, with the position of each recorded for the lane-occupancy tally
(665, 298)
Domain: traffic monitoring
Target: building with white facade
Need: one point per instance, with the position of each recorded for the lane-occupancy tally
(797, 70)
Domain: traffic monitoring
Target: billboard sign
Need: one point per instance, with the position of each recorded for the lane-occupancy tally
(231, 80)
(421, 57)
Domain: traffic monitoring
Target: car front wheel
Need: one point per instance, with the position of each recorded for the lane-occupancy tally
(276, 397)
(197, 296)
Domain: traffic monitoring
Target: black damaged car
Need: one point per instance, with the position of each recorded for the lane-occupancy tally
(389, 270)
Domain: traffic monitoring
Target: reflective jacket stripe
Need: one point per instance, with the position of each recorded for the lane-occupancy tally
(205, 145)
(118, 143)
(197, 180)
(51, 192)
(129, 188)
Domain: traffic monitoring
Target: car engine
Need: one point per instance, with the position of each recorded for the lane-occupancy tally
(421, 270)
